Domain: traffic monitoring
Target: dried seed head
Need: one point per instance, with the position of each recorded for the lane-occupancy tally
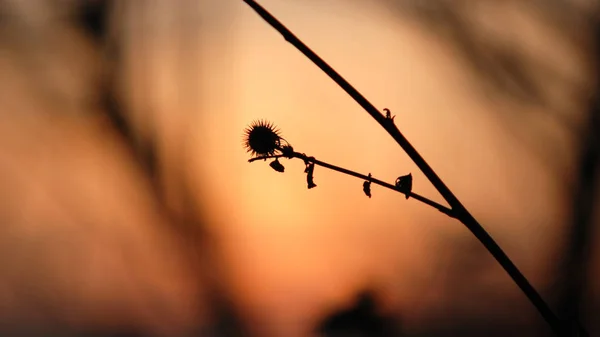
(262, 138)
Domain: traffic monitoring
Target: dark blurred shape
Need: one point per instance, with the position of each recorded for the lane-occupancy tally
(123, 332)
(277, 166)
(507, 67)
(515, 70)
(98, 28)
(93, 15)
(404, 184)
(367, 187)
(360, 320)
(574, 269)
(94, 18)
(309, 170)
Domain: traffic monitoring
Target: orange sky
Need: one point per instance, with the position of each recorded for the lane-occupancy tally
(197, 74)
(293, 250)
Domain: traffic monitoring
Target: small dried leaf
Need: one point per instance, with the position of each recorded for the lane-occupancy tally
(388, 115)
(367, 187)
(310, 167)
(276, 165)
(404, 184)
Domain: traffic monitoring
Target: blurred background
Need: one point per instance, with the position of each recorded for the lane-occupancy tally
(128, 206)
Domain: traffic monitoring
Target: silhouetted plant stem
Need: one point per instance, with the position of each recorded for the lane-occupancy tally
(411, 194)
(458, 209)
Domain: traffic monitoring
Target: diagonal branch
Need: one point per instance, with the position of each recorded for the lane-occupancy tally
(459, 210)
(382, 183)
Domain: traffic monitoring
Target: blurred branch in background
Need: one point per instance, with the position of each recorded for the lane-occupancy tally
(97, 205)
(534, 53)
(498, 42)
(159, 132)
(575, 271)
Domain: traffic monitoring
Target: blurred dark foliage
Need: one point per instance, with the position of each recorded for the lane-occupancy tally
(511, 72)
(94, 17)
(503, 63)
(506, 64)
(362, 319)
(574, 271)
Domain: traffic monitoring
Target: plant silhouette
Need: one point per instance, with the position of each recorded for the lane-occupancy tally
(404, 183)
(266, 145)
(367, 187)
(456, 210)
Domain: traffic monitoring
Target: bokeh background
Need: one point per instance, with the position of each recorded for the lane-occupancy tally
(128, 206)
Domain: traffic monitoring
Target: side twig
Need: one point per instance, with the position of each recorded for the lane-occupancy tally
(382, 183)
(461, 213)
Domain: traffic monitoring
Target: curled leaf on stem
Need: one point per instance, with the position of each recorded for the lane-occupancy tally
(306, 163)
(388, 114)
(309, 169)
(367, 186)
(404, 184)
(277, 166)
